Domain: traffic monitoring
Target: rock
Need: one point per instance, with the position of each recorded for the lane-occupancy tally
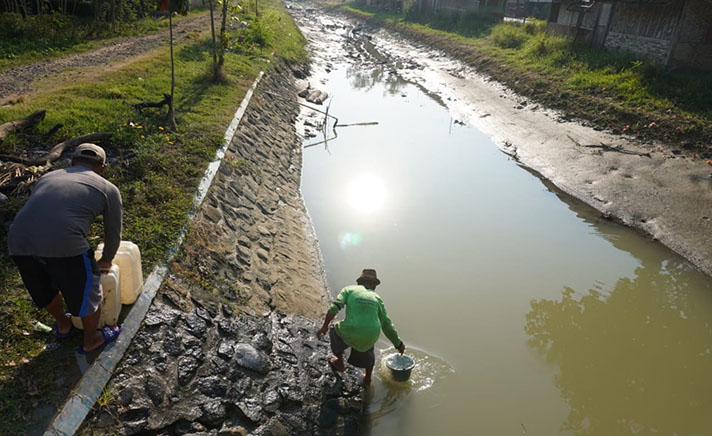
(271, 401)
(136, 414)
(227, 430)
(272, 428)
(187, 368)
(249, 357)
(103, 420)
(125, 396)
(251, 409)
(262, 342)
(226, 349)
(212, 386)
(213, 413)
(262, 254)
(212, 213)
(195, 325)
(171, 344)
(134, 427)
(228, 327)
(155, 389)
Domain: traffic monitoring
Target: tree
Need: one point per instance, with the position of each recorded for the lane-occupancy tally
(174, 7)
(214, 71)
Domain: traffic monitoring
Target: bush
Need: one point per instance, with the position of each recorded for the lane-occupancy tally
(534, 26)
(543, 45)
(257, 33)
(508, 35)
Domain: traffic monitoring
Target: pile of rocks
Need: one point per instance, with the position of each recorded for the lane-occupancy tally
(210, 372)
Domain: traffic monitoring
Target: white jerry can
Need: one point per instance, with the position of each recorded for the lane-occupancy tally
(128, 258)
(111, 301)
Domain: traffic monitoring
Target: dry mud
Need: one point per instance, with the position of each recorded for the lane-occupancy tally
(655, 188)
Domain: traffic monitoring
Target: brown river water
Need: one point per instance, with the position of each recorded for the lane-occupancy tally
(526, 312)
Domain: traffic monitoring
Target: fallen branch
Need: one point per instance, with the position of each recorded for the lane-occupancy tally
(58, 149)
(23, 123)
(144, 104)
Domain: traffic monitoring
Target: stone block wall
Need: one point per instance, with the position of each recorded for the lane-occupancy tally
(649, 48)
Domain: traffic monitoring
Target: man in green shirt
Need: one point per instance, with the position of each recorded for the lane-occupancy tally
(365, 318)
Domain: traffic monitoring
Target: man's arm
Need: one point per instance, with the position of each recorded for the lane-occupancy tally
(113, 217)
(335, 307)
(388, 328)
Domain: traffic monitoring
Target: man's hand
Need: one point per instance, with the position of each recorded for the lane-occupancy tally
(104, 266)
(322, 331)
(401, 349)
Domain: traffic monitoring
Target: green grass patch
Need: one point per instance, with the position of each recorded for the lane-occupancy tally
(156, 170)
(612, 88)
(41, 37)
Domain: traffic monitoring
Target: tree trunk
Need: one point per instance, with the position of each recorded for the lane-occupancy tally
(223, 35)
(215, 50)
(28, 121)
(171, 109)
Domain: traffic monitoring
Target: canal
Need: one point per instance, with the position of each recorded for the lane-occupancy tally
(526, 312)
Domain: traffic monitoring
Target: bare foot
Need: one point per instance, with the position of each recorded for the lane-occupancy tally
(366, 380)
(64, 326)
(337, 364)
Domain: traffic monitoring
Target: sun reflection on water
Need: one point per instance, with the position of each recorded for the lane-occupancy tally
(366, 193)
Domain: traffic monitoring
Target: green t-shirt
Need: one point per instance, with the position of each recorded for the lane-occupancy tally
(365, 317)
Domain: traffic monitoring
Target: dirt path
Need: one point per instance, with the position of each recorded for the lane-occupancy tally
(652, 187)
(19, 81)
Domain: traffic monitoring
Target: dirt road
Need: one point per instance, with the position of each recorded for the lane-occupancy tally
(19, 81)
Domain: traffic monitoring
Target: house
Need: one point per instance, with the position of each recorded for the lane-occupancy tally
(491, 8)
(677, 33)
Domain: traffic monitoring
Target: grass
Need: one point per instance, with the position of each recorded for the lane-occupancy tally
(41, 37)
(614, 90)
(156, 170)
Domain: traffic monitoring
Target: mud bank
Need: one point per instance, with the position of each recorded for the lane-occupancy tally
(656, 188)
(227, 348)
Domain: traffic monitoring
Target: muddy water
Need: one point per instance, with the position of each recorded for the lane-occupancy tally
(525, 312)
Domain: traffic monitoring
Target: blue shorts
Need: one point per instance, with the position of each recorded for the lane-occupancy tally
(76, 277)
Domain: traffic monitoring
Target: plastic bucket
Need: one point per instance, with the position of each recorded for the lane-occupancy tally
(400, 367)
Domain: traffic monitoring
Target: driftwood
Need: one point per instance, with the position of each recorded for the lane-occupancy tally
(58, 149)
(23, 123)
(144, 104)
(21, 173)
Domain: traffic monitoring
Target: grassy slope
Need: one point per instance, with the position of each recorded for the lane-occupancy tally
(43, 37)
(611, 90)
(157, 173)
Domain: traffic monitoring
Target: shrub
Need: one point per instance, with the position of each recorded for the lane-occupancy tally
(543, 45)
(509, 35)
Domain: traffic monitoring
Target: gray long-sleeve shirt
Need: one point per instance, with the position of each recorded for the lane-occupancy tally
(56, 219)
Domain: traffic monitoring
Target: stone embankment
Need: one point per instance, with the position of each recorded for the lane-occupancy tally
(228, 346)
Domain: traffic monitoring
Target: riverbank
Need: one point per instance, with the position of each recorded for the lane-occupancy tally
(156, 170)
(612, 92)
(234, 321)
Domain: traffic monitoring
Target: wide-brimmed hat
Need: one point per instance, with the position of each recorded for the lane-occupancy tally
(369, 275)
(92, 152)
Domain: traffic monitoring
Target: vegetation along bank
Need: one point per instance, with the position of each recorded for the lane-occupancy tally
(610, 90)
(156, 169)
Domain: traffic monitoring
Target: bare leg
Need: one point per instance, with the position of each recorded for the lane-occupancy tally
(93, 338)
(367, 377)
(56, 309)
(337, 362)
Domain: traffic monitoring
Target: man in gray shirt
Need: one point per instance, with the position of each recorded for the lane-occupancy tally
(48, 242)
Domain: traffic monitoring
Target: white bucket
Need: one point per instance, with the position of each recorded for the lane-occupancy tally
(128, 258)
(111, 301)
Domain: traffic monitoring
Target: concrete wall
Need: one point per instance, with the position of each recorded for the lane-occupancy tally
(694, 44)
(644, 29)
